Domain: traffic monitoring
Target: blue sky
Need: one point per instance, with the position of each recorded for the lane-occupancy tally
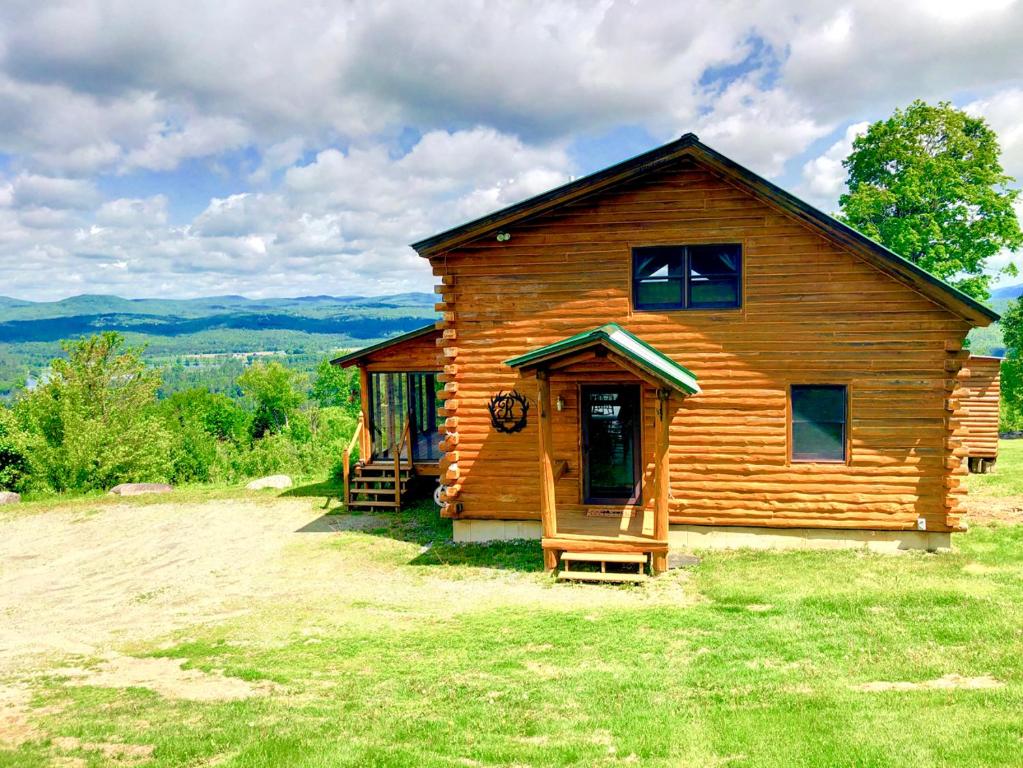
(189, 148)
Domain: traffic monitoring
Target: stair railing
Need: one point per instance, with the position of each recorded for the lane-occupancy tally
(346, 460)
(397, 465)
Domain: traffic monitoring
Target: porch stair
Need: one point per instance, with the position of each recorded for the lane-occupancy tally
(373, 487)
(625, 559)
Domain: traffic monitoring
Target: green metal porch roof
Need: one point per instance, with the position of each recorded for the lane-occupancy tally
(619, 340)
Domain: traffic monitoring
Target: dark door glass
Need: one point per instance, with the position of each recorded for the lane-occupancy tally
(611, 422)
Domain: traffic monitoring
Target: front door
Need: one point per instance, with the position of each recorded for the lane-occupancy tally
(611, 422)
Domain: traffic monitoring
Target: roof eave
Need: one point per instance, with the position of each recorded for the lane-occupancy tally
(662, 369)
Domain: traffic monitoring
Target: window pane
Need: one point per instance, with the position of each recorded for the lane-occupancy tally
(718, 292)
(659, 261)
(714, 260)
(820, 441)
(818, 403)
(655, 293)
(818, 423)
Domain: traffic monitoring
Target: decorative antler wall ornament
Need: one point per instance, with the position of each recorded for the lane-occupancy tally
(508, 411)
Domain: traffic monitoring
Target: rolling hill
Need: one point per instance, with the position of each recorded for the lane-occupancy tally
(202, 334)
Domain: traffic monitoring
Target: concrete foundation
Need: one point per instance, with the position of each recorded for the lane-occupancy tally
(496, 530)
(736, 537)
(690, 537)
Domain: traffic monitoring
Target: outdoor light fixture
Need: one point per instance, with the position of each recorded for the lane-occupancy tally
(503, 237)
(560, 403)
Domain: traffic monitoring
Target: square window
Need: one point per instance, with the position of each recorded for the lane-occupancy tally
(818, 422)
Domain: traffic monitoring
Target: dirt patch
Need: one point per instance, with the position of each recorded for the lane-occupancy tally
(78, 585)
(948, 682)
(131, 573)
(15, 726)
(165, 677)
(981, 510)
(122, 754)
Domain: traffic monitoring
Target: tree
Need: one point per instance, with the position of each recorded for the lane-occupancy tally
(334, 385)
(1012, 367)
(928, 184)
(90, 423)
(276, 392)
(1012, 328)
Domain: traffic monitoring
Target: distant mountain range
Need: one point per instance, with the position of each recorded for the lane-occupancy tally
(207, 332)
(354, 317)
(1008, 292)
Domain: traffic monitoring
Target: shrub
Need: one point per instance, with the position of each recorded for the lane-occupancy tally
(14, 462)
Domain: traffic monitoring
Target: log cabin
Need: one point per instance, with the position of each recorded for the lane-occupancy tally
(980, 412)
(675, 353)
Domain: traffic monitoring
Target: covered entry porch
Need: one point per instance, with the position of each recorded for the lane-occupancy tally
(605, 403)
(397, 436)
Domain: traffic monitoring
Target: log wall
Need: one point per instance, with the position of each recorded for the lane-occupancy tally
(980, 408)
(813, 312)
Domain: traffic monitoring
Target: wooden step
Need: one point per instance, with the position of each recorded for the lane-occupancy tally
(374, 491)
(360, 503)
(615, 578)
(605, 557)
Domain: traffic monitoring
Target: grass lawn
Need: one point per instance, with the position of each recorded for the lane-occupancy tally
(409, 651)
(1007, 477)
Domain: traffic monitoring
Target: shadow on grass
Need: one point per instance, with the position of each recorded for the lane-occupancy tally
(328, 489)
(521, 555)
(420, 523)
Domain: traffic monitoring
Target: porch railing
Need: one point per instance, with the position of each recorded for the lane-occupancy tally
(346, 460)
(397, 465)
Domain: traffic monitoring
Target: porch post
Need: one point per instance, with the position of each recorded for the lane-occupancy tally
(366, 441)
(548, 511)
(662, 422)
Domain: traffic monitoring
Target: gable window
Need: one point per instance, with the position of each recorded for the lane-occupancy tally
(686, 276)
(818, 422)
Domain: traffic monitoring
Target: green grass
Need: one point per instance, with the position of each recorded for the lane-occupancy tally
(1007, 477)
(421, 652)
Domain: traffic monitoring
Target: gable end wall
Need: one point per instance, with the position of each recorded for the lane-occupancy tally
(812, 313)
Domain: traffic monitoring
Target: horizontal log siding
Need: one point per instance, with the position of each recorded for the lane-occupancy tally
(980, 407)
(419, 354)
(812, 313)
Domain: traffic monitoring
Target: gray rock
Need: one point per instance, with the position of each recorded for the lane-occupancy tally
(9, 497)
(681, 560)
(137, 489)
(273, 481)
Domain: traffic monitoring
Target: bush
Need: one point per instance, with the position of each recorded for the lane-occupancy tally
(96, 422)
(14, 462)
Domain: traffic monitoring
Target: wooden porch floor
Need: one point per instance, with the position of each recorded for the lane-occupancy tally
(634, 525)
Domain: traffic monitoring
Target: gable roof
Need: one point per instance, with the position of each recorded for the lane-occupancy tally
(613, 338)
(881, 257)
(359, 354)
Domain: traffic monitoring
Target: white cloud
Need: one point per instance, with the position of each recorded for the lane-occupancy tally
(343, 131)
(34, 191)
(133, 213)
(824, 176)
(761, 128)
(200, 136)
(1004, 113)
